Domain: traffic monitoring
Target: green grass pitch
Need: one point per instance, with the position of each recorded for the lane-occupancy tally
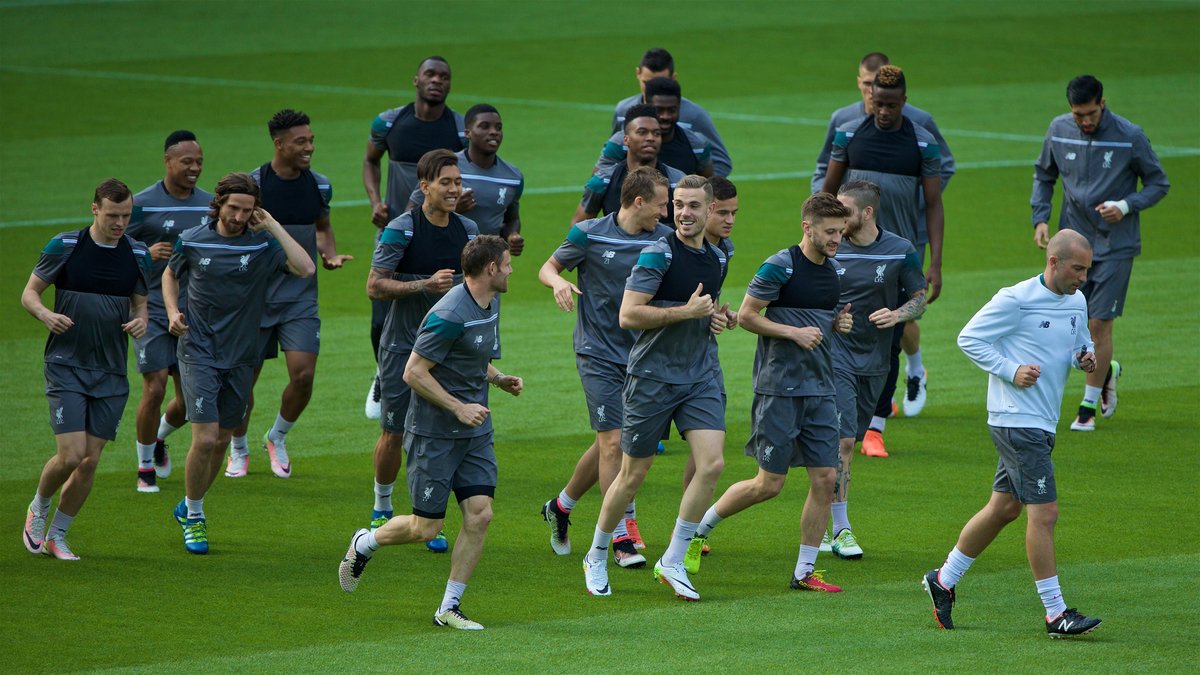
(90, 89)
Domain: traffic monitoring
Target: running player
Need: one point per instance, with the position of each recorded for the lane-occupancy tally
(688, 151)
(449, 426)
(670, 298)
(793, 420)
(904, 160)
(603, 251)
(405, 134)
(228, 265)
(877, 268)
(160, 213)
(298, 197)
(1026, 338)
(99, 276)
(418, 259)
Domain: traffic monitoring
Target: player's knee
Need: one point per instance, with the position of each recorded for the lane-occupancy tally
(478, 518)
(154, 389)
(303, 378)
(1044, 515)
(1008, 511)
(709, 468)
(428, 529)
(822, 482)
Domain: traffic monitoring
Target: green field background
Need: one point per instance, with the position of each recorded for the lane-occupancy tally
(89, 90)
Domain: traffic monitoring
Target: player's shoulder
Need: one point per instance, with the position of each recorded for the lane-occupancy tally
(148, 194)
(846, 114)
(322, 179)
(1123, 128)
(778, 267)
(390, 115)
(673, 175)
(918, 116)
(924, 136)
(256, 174)
(198, 233)
(889, 242)
(1063, 126)
(61, 243)
(697, 140)
(505, 169)
(624, 104)
(852, 125)
(398, 230)
(659, 248)
(469, 225)
(689, 110)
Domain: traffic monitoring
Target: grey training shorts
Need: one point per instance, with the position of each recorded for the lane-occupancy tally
(651, 406)
(857, 397)
(1106, 287)
(438, 465)
(85, 400)
(394, 392)
(292, 327)
(1025, 469)
(216, 394)
(602, 384)
(156, 349)
(787, 431)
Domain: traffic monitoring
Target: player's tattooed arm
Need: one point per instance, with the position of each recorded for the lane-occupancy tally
(912, 309)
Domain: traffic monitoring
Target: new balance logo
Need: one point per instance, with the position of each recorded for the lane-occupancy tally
(1070, 155)
(205, 261)
(1065, 625)
(1044, 324)
(608, 255)
(168, 225)
(478, 340)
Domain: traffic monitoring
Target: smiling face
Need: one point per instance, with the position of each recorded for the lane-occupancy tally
(486, 133)
(825, 234)
(294, 147)
(443, 193)
(185, 161)
(692, 210)
(643, 137)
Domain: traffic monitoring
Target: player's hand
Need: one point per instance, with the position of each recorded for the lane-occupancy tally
(161, 251)
(933, 281)
(731, 318)
(335, 262)
(262, 220)
(1041, 235)
(1087, 363)
(1110, 212)
(516, 243)
(379, 215)
(136, 327)
(698, 305)
(440, 282)
(57, 323)
(883, 318)
(808, 337)
(844, 321)
(564, 294)
(466, 201)
(178, 326)
(1027, 376)
(472, 414)
(719, 320)
(511, 384)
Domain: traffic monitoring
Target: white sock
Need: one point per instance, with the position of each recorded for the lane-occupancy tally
(565, 502)
(1051, 594)
(840, 520)
(366, 545)
(164, 428)
(280, 429)
(1091, 395)
(631, 510)
(709, 521)
(195, 507)
(600, 542)
(453, 595)
(40, 505)
(877, 424)
(239, 445)
(912, 364)
(383, 496)
(956, 565)
(681, 538)
(61, 521)
(806, 561)
(621, 531)
(145, 452)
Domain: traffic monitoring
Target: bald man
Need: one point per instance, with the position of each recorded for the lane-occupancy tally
(1026, 338)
